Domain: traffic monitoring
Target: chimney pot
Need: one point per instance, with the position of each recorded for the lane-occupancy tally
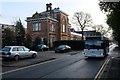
(58, 8)
(48, 6)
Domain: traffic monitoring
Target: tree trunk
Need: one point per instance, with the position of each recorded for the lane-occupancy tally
(82, 35)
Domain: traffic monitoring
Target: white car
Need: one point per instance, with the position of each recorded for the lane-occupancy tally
(17, 52)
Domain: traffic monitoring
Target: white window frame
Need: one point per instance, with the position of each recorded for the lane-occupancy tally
(64, 28)
(36, 26)
(53, 27)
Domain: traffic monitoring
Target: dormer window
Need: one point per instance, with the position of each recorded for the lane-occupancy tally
(55, 16)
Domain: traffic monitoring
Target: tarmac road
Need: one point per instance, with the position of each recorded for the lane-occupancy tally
(68, 66)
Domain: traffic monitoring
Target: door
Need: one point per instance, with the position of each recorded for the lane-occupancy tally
(27, 52)
(21, 52)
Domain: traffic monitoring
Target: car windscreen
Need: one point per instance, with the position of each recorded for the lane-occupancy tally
(41, 46)
(93, 44)
(87, 46)
(6, 49)
(62, 46)
(26, 49)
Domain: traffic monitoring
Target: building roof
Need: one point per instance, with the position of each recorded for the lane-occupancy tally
(7, 25)
(47, 13)
(57, 10)
(41, 19)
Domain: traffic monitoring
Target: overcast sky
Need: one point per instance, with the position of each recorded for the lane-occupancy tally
(12, 10)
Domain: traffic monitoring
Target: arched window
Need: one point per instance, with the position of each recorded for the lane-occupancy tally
(64, 25)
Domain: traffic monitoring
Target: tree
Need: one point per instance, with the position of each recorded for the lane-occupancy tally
(100, 28)
(36, 42)
(82, 20)
(8, 37)
(28, 41)
(20, 33)
(113, 17)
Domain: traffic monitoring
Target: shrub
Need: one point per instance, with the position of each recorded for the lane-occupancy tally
(74, 44)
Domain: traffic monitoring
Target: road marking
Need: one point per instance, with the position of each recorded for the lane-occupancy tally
(97, 77)
(99, 74)
(24, 67)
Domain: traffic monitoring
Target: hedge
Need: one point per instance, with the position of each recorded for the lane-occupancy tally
(74, 44)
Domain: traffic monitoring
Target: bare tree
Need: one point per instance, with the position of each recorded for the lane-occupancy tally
(100, 28)
(82, 20)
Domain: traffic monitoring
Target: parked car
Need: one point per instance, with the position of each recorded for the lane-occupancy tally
(17, 52)
(63, 48)
(42, 47)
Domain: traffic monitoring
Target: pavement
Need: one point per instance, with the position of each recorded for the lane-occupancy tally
(112, 68)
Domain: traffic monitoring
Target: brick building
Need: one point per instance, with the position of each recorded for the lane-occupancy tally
(50, 25)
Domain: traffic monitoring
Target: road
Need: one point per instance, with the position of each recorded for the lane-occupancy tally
(72, 66)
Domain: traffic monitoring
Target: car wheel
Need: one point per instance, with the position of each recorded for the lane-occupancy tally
(34, 55)
(64, 51)
(16, 58)
(56, 51)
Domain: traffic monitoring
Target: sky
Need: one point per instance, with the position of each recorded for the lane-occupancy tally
(12, 10)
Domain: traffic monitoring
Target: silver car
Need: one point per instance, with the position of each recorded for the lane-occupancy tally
(17, 52)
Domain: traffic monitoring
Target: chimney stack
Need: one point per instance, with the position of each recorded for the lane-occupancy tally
(49, 7)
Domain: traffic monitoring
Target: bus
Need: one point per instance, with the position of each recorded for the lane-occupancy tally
(96, 46)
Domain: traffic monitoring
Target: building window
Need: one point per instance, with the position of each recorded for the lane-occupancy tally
(55, 16)
(53, 27)
(64, 38)
(53, 38)
(64, 26)
(36, 26)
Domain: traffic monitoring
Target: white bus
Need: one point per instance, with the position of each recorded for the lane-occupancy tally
(96, 46)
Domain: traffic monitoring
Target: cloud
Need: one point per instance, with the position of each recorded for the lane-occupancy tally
(111, 0)
(71, 1)
(13, 8)
(20, 1)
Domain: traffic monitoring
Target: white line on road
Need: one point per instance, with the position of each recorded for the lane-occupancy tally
(97, 77)
(99, 74)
